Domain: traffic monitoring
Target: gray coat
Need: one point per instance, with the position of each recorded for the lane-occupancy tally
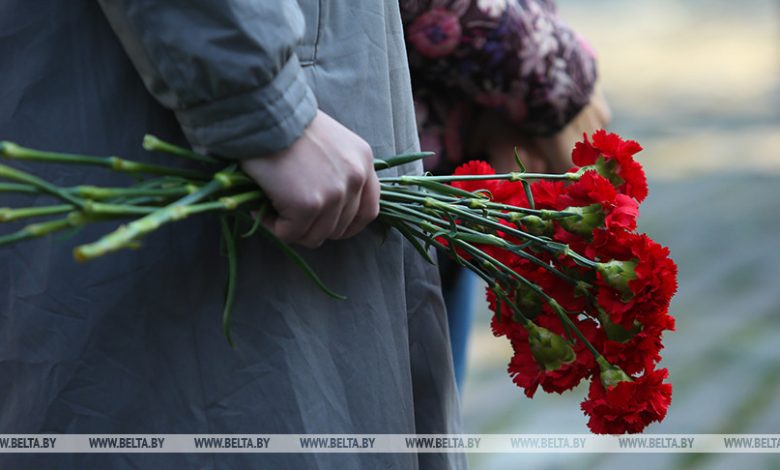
(131, 343)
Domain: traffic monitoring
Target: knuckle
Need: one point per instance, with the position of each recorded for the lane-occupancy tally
(355, 176)
(365, 149)
(286, 233)
(336, 192)
(313, 203)
(372, 211)
(311, 243)
(364, 218)
(366, 155)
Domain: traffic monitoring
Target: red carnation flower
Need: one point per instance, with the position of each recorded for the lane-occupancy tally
(644, 347)
(435, 33)
(502, 323)
(528, 374)
(628, 407)
(619, 165)
(617, 210)
(476, 167)
(647, 291)
(546, 194)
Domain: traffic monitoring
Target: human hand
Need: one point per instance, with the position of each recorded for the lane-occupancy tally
(322, 187)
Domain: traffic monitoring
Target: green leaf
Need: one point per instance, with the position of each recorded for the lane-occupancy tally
(229, 242)
(518, 161)
(409, 234)
(499, 303)
(155, 144)
(258, 220)
(528, 194)
(485, 191)
(68, 234)
(385, 163)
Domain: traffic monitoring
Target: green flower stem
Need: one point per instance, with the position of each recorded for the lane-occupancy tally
(154, 144)
(500, 293)
(17, 152)
(517, 250)
(553, 247)
(464, 232)
(495, 287)
(411, 227)
(8, 214)
(490, 280)
(436, 188)
(102, 194)
(472, 202)
(227, 203)
(99, 208)
(433, 204)
(572, 327)
(564, 317)
(90, 207)
(611, 375)
(514, 176)
(385, 163)
(469, 248)
(127, 234)
(35, 230)
(229, 239)
(73, 219)
(17, 188)
(41, 185)
(501, 266)
(410, 232)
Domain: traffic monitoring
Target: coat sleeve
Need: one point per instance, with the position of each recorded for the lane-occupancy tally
(227, 68)
(515, 57)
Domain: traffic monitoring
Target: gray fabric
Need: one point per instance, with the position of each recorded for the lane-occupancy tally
(228, 69)
(132, 343)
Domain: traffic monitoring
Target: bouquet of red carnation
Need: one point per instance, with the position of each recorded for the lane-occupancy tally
(586, 297)
(577, 292)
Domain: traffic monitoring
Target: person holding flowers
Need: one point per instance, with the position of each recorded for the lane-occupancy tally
(301, 96)
(132, 345)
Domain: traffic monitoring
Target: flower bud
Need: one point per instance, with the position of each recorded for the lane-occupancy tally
(550, 350)
(585, 219)
(616, 332)
(528, 301)
(535, 225)
(611, 375)
(608, 168)
(617, 274)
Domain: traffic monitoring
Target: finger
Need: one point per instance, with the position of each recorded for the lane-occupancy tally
(368, 210)
(291, 228)
(324, 225)
(348, 214)
(356, 185)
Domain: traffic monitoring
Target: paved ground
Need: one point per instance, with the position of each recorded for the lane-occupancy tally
(698, 84)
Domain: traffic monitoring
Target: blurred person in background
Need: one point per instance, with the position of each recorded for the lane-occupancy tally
(490, 76)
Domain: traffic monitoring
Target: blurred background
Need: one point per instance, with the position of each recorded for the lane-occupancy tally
(697, 83)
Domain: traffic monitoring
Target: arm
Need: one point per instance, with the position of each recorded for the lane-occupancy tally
(228, 69)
